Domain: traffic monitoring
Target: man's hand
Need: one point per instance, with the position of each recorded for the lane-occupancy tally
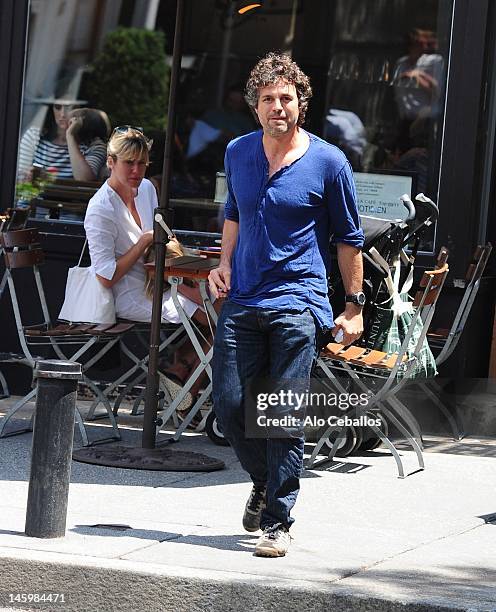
(351, 323)
(219, 281)
(421, 78)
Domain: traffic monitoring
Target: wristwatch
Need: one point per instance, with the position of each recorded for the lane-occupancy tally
(356, 298)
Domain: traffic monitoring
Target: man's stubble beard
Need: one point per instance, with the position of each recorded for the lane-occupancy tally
(276, 132)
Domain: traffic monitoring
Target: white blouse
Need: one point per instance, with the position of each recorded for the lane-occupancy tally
(111, 231)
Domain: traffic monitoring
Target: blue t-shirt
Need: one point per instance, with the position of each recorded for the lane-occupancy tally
(281, 259)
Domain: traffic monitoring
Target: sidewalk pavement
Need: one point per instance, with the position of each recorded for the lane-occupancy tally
(363, 539)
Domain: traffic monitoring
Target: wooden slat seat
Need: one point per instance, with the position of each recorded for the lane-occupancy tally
(63, 329)
(332, 349)
(19, 238)
(23, 259)
(372, 358)
(119, 328)
(357, 355)
(79, 329)
(390, 362)
(101, 329)
(438, 334)
(352, 352)
(434, 279)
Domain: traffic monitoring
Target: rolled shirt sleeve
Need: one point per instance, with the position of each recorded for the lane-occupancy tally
(343, 209)
(101, 232)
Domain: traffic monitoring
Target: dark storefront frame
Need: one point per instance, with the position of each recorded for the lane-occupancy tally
(462, 146)
(468, 132)
(13, 28)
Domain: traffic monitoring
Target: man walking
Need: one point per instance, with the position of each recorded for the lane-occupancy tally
(289, 192)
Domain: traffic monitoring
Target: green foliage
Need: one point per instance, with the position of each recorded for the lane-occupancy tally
(129, 79)
(27, 190)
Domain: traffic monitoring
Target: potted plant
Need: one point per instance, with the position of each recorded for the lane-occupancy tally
(129, 79)
(30, 188)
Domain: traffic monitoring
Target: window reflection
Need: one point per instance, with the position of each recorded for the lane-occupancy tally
(386, 85)
(378, 72)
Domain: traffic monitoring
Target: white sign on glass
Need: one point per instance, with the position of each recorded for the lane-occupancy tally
(379, 195)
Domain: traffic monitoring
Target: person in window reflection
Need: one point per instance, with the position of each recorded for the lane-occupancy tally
(210, 133)
(416, 159)
(119, 229)
(72, 141)
(418, 81)
(346, 130)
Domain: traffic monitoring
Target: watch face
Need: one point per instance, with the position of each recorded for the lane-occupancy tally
(357, 298)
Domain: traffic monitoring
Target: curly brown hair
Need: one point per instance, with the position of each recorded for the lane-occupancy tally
(275, 67)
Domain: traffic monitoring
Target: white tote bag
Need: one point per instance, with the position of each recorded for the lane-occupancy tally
(86, 299)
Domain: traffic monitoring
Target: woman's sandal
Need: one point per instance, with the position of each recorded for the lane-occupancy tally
(174, 386)
(195, 421)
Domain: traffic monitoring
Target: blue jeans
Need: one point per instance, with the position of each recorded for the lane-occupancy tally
(262, 343)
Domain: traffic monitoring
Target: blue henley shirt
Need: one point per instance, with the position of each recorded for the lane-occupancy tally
(282, 259)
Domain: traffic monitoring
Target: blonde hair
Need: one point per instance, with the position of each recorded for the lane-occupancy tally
(174, 249)
(129, 145)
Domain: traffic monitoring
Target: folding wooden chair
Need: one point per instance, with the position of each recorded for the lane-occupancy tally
(382, 375)
(15, 218)
(445, 341)
(196, 268)
(85, 343)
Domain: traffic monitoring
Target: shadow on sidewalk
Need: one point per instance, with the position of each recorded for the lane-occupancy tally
(238, 542)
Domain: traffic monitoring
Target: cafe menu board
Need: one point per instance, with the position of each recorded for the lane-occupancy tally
(379, 195)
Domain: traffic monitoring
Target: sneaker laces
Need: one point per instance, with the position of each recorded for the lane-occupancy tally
(273, 532)
(256, 499)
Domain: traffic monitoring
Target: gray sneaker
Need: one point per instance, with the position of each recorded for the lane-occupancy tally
(253, 509)
(274, 542)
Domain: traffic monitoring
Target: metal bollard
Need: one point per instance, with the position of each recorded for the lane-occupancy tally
(51, 455)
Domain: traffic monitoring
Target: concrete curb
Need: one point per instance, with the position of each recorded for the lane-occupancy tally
(105, 585)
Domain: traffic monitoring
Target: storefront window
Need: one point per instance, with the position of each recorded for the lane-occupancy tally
(385, 96)
(378, 71)
(85, 74)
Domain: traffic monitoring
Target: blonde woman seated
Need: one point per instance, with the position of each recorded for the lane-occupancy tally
(119, 228)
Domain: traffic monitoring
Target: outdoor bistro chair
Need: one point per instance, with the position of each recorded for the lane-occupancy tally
(381, 375)
(137, 372)
(195, 267)
(5, 357)
(84, 343)
(445, 340)
(14, 218)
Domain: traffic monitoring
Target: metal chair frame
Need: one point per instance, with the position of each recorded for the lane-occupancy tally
(7, 357)
(138, 371)
(196, 268)
(361, 364)
(204, 357)
(21, 250)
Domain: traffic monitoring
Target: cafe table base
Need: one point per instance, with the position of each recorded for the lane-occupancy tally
(157, 459)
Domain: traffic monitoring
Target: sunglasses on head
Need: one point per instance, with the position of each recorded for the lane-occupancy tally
(122, 129)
